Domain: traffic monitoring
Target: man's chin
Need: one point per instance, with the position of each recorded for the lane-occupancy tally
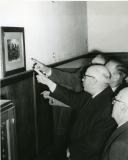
(85, 89)
(113, 116)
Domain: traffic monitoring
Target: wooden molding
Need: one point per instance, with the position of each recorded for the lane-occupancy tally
(20, 76)
(15, 78)
(121, 55)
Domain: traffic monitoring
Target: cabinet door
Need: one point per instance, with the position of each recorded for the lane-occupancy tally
(8, 134)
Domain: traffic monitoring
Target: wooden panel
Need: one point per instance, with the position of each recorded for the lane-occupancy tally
(53, 125)
(44, 121)
(123, 56)
(21, 92)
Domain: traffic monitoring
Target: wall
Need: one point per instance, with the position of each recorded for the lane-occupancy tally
(47, 24)
(54, 31)
(108, 26)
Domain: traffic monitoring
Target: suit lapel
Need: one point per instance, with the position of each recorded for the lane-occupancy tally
(86, 104)
(116, 134)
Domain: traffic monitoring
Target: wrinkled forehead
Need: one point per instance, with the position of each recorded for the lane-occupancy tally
(90, 71)
(100, 73)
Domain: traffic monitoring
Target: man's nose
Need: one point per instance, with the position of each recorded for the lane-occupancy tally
(113, 102)
(83, 79)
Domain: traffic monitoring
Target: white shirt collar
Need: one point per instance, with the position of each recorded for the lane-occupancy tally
(95, 94)
(114, 88)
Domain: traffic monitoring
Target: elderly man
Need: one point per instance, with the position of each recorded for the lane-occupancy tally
(117, 69)
(118, 74)
(117, 145)
(70, 80)
(93, 124)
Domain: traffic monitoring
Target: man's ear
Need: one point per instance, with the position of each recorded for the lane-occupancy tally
(124, 108)
(95, 81)
(116, 76)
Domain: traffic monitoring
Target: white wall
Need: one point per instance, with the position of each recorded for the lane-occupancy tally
(107, 25)
(54, 31)
(60, 27)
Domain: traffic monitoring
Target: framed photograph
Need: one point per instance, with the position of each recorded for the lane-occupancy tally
(13, 48)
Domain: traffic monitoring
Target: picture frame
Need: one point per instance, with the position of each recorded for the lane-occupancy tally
(13, 48)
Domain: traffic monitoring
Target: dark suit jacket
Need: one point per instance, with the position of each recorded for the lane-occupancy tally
(93, 124)
(117, 145)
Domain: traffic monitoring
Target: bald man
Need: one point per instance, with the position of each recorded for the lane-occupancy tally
(117, 145)
(70, 80)
(93, 124)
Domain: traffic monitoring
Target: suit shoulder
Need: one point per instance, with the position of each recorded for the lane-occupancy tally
(119, 150)
(124, 137)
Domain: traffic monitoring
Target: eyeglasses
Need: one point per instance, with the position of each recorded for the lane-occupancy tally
(84, 76)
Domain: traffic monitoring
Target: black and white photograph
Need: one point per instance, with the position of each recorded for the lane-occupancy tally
(13, 50)
(64, 80)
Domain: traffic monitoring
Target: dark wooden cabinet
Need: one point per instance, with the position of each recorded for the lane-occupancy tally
(20, 90)
(8, 132)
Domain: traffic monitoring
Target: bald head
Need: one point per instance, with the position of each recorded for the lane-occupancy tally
(100, 72)
(96, 79)
(99, 59)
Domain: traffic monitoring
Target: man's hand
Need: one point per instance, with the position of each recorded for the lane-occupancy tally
(44, 80)
(41, 67)
(41, 78)
(53, 101)
(46, 96)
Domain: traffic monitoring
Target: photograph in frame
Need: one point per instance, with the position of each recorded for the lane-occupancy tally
(13, 48)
